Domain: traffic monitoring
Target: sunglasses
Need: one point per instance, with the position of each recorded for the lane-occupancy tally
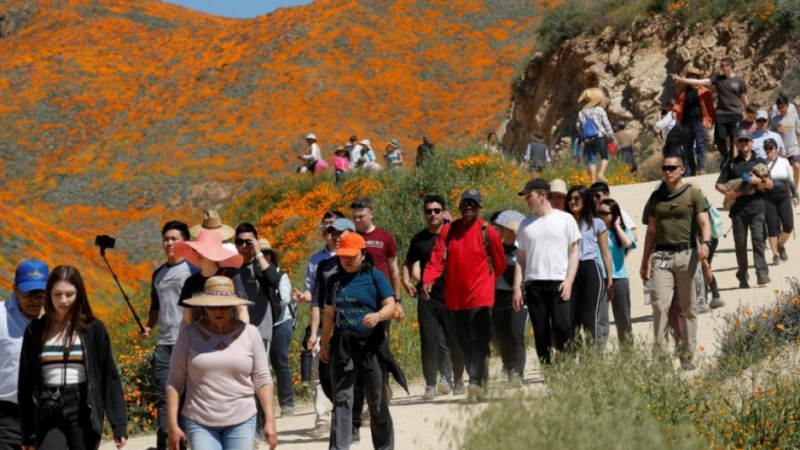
(433, 211)
(597, 195)
(37, 294)
(669, 168)
(218, 308)
(604, 213)
(574, 199)
(743, 140)
(240, 242)
(469, 204)
(360, 205)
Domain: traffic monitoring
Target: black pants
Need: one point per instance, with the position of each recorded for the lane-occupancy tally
(627, 154)
(695, 136)
(713, 285)
(354, 358)
(509, 327)
(551, 317)
(434, 322)
(474, 330)
(326, 381)
(10, 428)
(725, 127)
(755, 223)
(590, 303)
(780, 216)
(621, 305)
(72, 428)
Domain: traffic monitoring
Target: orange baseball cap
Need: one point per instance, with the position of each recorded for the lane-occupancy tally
(351, 245)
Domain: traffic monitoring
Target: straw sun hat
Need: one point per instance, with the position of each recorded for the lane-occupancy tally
(212, 221)
(218, 291)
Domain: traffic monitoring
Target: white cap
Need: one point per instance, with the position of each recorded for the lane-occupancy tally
(311, 136)
(761, 114)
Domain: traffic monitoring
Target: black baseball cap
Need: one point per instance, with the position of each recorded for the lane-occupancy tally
(473, 194)
(770, 142)
(744, 133)
(534, 184)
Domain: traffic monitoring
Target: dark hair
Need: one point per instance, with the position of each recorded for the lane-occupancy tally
(729, 61)
(176, 225)
(782, 100)
(751, 108)
(673, 154)
(333, 213)
(495, 215)
(616, 213)
(600, 187)
(670, 102)
(587, 207)
(367, 265)
(489, 135)
(434, 198)
(353, 138)
(246, 227)
(361, 202)
(80, 309)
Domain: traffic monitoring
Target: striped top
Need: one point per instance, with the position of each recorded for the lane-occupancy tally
(52, 359)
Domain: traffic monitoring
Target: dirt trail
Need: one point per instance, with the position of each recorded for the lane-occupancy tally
(419, 424)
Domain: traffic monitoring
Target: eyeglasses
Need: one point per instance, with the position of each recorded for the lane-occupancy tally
(604, 213)
(433, 211)
(574, 199)
(37, 294)
(239, 242)
(669, 168)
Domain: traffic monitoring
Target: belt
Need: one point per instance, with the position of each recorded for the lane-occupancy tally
(675, 247)
(66, 388)
(9, 407)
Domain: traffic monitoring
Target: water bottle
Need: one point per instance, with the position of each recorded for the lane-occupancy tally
(306, 361)
(648, 292)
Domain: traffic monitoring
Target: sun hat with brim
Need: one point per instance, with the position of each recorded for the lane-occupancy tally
(218, 291)
(311, 136)
(394, 143)
(591, 97)
(364, 142)
(510, 219)
(266, 247)
(208, 244)
(351, 245)
(340, 151)
(212, 222)
(692, 70)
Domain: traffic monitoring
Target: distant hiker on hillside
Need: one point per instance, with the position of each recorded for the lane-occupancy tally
(470, 254)
(393, 155)
(625, 141)
(25, 305)
(537, 155)
(595, 132)
(665, 125)
(787, 124)
(165, 290)
(314, 154)
(694, 110)
(424, 150)
(731, 103)
(368, 160)
(492, 145)
(341, 163)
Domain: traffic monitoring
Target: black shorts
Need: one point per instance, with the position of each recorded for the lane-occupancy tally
(793, 159)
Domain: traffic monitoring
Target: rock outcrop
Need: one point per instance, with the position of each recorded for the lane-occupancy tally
(634, 70)
(13, 19)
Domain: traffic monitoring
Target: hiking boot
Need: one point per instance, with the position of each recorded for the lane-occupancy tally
(743, 284)
(475, 392)
(717, 303)
(687, 364)
(287, 411)
(444, 386)
(430, 393)
(776, 260)
(458, 388)
(703, 307)
(782, 251)
(763, 280)
(321, 431)
(514, 381)
(356, 436)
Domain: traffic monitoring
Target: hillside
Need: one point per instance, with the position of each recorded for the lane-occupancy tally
(119, 114)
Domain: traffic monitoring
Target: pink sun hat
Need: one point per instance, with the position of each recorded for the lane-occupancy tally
(208, 244)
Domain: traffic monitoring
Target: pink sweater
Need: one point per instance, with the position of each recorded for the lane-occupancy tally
(220, 373)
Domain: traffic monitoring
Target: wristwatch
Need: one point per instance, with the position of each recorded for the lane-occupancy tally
(708, 243)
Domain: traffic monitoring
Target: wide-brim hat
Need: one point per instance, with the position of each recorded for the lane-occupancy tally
(510, 219)
(692, 70)
(208, 244)
(394, 143)
(340, 150)
(558, 186)
(218, 291)
(266, 247)
(311, 136)
(364, 142)
(212, 222)
(591, 97)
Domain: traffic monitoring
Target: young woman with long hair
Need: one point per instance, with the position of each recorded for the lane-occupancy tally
(68, 379)
(620, 240)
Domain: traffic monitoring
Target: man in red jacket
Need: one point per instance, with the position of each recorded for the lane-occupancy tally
(470, 254)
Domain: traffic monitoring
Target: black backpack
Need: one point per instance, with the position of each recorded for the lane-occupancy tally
(674, 140)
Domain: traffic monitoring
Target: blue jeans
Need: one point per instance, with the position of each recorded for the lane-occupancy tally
(594, 147)
(279, 358)
(233, 437)
(695, 137)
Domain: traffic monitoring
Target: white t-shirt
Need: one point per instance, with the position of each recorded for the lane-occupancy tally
(781, 170)
(545, 241)
(315, 154)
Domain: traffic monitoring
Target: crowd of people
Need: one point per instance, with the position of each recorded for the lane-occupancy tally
(225, 312)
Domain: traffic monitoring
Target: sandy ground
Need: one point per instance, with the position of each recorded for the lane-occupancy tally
(420, 424)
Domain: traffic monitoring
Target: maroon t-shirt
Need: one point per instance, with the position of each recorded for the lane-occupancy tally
(381, 246)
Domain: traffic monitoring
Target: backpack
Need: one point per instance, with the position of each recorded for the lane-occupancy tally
(716, 220)
(589, 131)
(674, 141)
(484, 233)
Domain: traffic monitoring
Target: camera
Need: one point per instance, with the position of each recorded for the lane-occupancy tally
(50, 404)
(104, 241)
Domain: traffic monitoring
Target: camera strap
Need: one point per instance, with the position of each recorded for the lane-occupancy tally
(67, 349)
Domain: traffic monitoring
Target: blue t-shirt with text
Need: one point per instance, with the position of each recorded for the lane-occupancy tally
(354, 295)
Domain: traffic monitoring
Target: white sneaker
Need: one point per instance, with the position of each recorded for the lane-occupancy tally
(717, 303)
(321, 431)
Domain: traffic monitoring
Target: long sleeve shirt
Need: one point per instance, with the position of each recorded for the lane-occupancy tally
(12, 328)
(315, 154)
(469, 282)
(600, 118)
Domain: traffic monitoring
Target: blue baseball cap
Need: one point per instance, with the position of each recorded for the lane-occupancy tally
(342, 224)
(31, 275)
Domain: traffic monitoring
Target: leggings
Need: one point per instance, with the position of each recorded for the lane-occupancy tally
(725, 133)
(780, 216)
(509, 326)
(713, 285)
(621, 305)
(590, 303)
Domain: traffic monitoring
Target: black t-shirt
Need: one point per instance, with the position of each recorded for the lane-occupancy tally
(729, 94)
(692, 112)
(747, 204)
(325, 270)
(420, 249)
(506, 281)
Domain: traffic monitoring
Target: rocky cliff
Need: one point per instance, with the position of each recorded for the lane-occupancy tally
(634, 68)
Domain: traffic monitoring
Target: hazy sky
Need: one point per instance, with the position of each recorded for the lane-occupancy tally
(238, 8)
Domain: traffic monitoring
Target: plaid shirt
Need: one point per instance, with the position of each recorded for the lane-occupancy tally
(598, 115)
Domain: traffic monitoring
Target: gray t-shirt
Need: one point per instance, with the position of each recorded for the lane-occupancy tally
(589, 236)
(729, 93)
(255, 293)
(787, 126)
(165, 290)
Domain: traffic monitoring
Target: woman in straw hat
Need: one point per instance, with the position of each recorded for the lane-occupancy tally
(218, 363)
(208, 253)
(593, 127)
(353, 342)
(694, 110)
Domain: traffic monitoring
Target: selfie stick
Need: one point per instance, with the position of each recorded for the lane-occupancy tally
(124, 295)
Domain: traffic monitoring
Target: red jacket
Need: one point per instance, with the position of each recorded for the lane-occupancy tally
(706, 104)
(468, 281)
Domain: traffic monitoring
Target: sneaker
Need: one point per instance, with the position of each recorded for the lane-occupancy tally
(703, 307)
(444, 386)
(782, 251)
(687, 364)
(475, 392)
(743, 284)
(356, 436)
(776, 260)
(717, 303)
(763, 280)
(458, 388)
(514, 381)
(287, 411)
(321, 431)
(430, 393)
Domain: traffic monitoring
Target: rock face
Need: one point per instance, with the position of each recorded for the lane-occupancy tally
(15, 18)
(634, 70)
